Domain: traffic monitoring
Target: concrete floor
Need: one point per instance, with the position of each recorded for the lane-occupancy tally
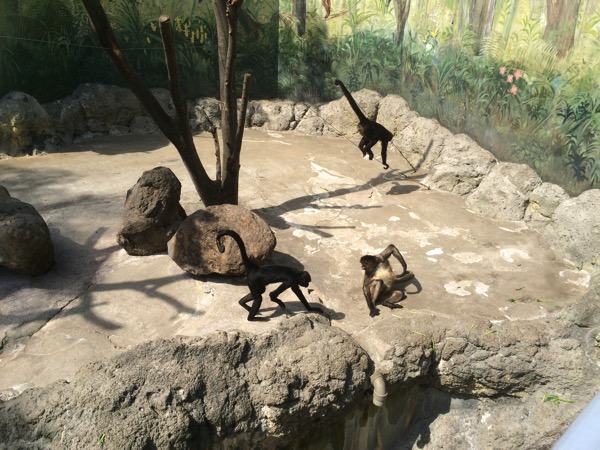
(327, 207)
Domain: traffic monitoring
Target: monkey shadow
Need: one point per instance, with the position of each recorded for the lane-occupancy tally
(400, 189)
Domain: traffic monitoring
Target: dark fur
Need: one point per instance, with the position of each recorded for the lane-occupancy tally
(371, 131)
(379, 277)
(258, 277)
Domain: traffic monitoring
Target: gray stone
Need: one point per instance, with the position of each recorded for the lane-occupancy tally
(68, 117)
(152, 213)
(504, 193)
(311, 123)
(25, 242)
(422, 142)
(460, 167)
(25, 126)
(586, 312)
(143, 125)
(105, 105)
(252, 391)
(273, 115)
(205, 110)
(543, 201)
(575, 228)
(194, 246)
(395, 114)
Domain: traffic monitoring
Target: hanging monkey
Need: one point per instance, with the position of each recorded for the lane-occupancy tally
(371, 131)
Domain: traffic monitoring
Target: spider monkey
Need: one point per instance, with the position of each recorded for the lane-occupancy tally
(258, 277)
(379, 277)
(371, 131)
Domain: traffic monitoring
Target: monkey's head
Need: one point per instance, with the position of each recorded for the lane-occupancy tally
(337, 82)
(304, 279)
(368, 263)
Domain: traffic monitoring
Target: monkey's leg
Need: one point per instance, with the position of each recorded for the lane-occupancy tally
(301, 297)
(256, 294)
(372, 292)
(392, 300)
(244, 301)
(367, 148)
(384, 146)
(361, 145)
(275, 294)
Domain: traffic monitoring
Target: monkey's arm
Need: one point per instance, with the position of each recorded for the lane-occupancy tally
(373, 311)
(392, 250)
(296, 289)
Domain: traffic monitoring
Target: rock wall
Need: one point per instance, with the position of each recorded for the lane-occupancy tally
(235, 390)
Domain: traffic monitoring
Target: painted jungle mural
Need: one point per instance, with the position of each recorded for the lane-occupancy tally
(519, 76)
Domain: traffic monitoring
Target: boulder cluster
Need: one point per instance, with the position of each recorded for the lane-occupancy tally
(454, 163)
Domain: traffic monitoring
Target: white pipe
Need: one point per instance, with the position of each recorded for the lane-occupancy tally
(379, 389)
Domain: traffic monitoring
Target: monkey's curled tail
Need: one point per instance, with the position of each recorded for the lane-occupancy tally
(353, 104)
(408, 275)
(238, 240)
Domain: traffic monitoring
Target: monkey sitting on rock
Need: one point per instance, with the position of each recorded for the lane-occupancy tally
(379, 278)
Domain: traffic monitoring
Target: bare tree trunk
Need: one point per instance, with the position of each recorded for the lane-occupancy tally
(402, 12)
(561, 23)
(226, 18)
(225, 188)
(299, 12)
(481, 14)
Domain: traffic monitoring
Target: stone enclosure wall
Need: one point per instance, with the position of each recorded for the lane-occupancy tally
(454, 163)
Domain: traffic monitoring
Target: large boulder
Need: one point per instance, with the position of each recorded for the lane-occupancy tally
(25, 126)
(68, 118)
(395, 114)
(152, 213)
(276, 115)
(543, 201)
(575, 228)
(194, 246)
(422, 141)
(504, 193)
(204, 113)
(460, 167)
(251, 391)
(25, 242)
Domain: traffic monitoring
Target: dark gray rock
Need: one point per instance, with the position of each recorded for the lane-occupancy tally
(152, 213)
(225, 390)
(204, 112)
(105, 105)
(543, 201)
(504, 193)
(25, 241)
(422, 142)
(194, 246)
(276, 115)
(25, 126)
(68, 118)
(460, 167)
(575, 228)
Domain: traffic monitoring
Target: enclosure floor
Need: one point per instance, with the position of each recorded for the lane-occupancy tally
(327, 207)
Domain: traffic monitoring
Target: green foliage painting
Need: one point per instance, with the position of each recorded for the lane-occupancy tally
(519, 76)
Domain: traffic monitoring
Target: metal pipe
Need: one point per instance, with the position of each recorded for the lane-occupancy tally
(379, 389)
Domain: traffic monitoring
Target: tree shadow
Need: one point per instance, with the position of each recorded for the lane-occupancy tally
(273, 214)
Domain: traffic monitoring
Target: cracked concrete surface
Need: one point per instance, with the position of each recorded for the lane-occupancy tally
(327, 207)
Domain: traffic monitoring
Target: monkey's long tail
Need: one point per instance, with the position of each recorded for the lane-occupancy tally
(238, 240)
(353, 104)
(408, 275)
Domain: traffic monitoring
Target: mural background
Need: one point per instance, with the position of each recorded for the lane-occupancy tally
(519, 76)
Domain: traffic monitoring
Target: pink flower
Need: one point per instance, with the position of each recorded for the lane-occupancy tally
(518, 74)
(509, 79)
(513, 90)
(502, 70)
